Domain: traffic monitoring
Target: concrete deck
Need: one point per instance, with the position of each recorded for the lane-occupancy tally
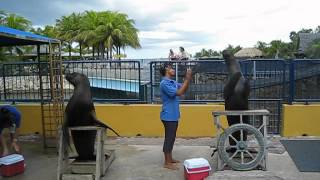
(141, 159)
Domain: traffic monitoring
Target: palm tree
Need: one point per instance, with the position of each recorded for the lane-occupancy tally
(75, 29)
(116, 31)
(49, 31)
(68, 29)
(105, 31)
(128, 34)
(15, 21)
(3, 14)
(87, 32)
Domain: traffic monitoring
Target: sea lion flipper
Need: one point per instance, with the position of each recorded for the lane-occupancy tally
(101, 124)
(65, 134)
(246, 88)
(229, 88)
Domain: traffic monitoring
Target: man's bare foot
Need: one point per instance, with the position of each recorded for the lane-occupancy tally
(175, 161)
(16, 147)
(5, 153)
(170, 166)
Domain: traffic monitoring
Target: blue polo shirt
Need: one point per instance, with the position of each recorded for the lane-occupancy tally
(16, 115)
(170, 100)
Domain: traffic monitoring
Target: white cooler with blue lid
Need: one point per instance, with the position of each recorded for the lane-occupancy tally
(11, 165)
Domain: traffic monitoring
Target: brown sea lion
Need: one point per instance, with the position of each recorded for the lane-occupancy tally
(236, 92)
(80, 111)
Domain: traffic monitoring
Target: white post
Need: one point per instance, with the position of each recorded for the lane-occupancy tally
(265, 134)
(254, 70)
(177, 72)
(98, 154)
(61, 154)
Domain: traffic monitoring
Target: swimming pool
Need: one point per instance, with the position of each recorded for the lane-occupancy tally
(115, 84)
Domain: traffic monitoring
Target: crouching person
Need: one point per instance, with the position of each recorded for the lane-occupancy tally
(10, 118)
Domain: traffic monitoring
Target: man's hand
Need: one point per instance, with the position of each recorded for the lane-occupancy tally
(189, 74)
(186, 83)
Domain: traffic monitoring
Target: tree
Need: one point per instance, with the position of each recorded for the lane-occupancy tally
(116, 31)
(317, 30)
(207, 53)
(68, 29)
(15, 21)
(313, 51)
(294, 37)
(49, 31)
(105, 31)
(262, 46)
(125, 34)
(3, 14)
(87, 33)
(232, 49)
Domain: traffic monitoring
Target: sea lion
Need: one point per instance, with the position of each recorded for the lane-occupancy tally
(236, 92)
(80, 111)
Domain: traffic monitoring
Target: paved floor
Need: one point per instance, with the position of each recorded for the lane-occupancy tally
(141, 159)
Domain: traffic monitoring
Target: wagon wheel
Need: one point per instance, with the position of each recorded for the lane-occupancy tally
(247, 153)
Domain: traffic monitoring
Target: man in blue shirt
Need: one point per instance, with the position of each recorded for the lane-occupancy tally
(10, 118)
(170, 91)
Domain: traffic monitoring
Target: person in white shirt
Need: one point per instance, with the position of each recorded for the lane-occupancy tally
(183, 55)
(172, 55)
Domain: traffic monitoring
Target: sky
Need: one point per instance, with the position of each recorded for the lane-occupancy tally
(193, 24)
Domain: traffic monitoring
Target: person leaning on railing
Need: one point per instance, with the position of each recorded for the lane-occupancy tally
(10, 118)
(172, 56)
(183, 55)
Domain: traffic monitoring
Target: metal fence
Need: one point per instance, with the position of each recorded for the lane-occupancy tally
(110, 80)
(267, 81)
(268, 86)
(273, 82)
(116, 81)
(207, 83)
(20, 81)
(304, 81)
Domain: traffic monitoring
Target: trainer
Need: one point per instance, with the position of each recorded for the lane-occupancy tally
(170, 91)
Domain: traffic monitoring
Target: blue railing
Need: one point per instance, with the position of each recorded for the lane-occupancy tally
(273, 82)
(288, 80)
(305, 81)
(209, 78)
(111, 81)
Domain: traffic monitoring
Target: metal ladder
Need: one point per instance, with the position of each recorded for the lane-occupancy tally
(52, 95)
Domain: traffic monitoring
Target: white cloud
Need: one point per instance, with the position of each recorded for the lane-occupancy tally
(223, 22)
(172, 44)
(158, 35)
(164, 24)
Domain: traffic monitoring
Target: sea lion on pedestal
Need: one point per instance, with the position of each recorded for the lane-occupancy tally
(80, 111)
(236, 92)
